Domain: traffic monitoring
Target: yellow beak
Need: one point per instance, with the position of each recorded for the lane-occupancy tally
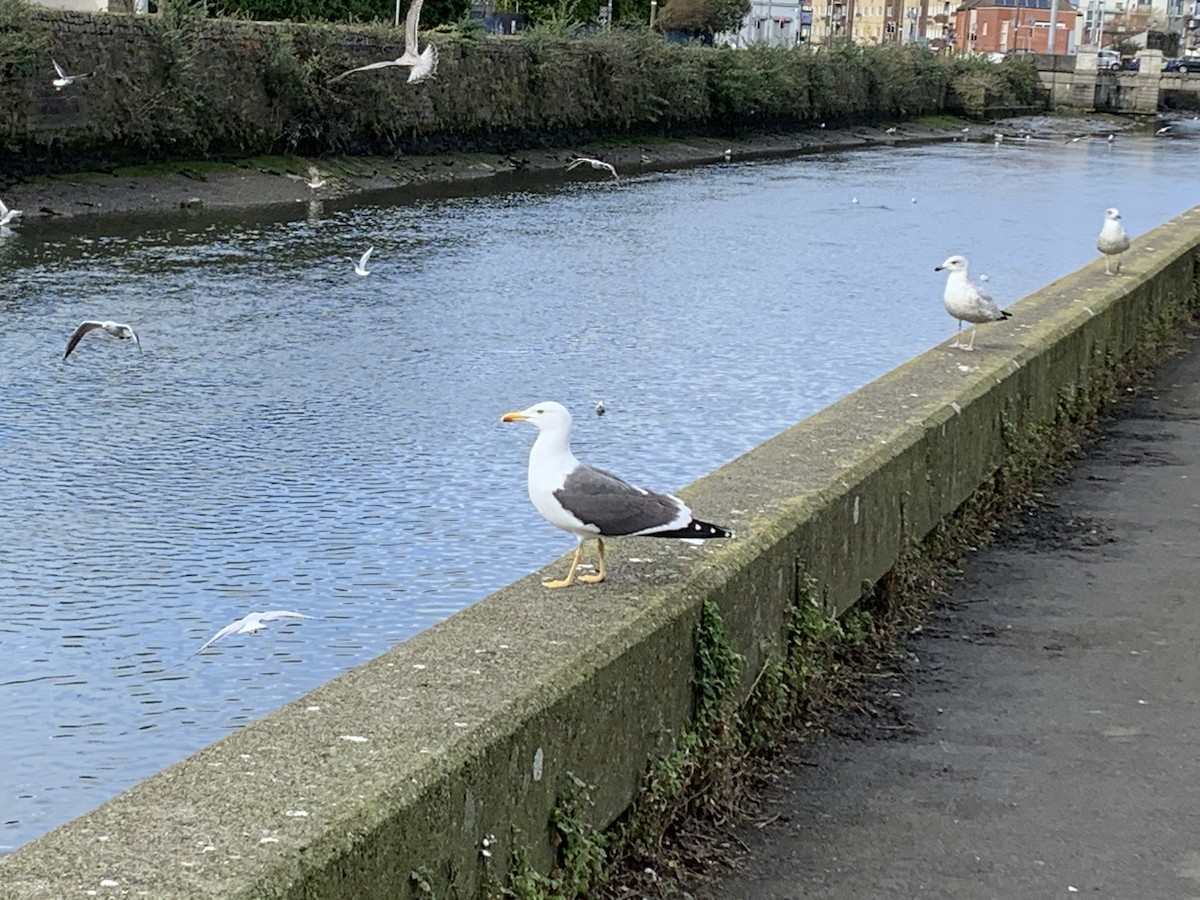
(514, 417)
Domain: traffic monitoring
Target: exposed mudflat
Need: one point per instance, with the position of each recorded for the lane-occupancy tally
(278, 181)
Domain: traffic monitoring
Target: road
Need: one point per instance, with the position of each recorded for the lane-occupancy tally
(1043, 739)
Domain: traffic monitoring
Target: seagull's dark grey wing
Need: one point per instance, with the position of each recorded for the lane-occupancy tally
(614, 506)
(83, 329)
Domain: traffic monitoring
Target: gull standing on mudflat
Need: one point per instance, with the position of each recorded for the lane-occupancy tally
(250, 623)
(424, 65)
(360, 267)
(590, 502)
(966, 302)
(116, 329)
(594, 163)
(1113, 240)
(64, 80)
(8, 216)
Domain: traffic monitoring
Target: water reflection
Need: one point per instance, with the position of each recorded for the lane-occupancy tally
(295, 437)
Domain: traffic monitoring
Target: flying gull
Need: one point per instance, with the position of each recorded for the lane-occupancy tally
(423, 65)
(116, 329)
(64, 80)
(966, 302)
(252, 622)
(8, 216)
(590, 502)
(594, 163)
(1113, 240)
(360, 267)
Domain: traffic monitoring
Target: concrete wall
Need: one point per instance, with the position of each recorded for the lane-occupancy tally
(390, 776)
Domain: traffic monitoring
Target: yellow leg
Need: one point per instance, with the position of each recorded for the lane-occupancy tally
(570, 579)
(599, 576)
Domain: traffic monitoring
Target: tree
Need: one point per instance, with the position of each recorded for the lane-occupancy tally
(704, 16)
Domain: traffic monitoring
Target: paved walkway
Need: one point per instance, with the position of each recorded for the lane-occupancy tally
(1045, 739)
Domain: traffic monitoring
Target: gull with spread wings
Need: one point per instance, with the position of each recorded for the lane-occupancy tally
(595, 164)
(424, 64)
(116, 329)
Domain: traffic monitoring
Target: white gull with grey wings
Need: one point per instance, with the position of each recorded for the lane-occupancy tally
(589, 502)
(966, 301)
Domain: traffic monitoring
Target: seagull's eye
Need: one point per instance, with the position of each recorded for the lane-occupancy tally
(539, 411)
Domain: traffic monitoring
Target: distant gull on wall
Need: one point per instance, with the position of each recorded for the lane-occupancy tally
(424, 64)
(116, 329)
(966, 302)
(590, 502)
(250, 623)
(1113, 241)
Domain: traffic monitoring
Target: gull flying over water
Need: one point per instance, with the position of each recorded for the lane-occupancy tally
(250, 623)
(1113, 240)
(8, 216)
(64, 80)
(360, 267)
(423, 65)
(966, 302)
(594, 163)
(590, 502)
(116, 329)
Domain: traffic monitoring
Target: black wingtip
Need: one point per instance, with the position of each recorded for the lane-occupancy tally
(695, 530)
(1005, 315)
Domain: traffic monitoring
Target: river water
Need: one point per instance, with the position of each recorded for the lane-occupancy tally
(291, 436)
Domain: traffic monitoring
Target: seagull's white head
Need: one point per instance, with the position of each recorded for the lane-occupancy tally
(547, 416)
(1113, 214)
(954, 264)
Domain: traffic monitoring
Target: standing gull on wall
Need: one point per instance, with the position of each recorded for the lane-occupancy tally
(1113, 240)
(116, 329)
(590, 502)
(424, 65)
(966, 302)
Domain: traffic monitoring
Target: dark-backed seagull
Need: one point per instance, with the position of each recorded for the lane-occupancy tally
(424, 64)
(8, 216)
(966, 302)
(1113, 240)
(594, 163)
(116, 329)
(590, 502)
(64, 80)
(252, 622)
(360, 267)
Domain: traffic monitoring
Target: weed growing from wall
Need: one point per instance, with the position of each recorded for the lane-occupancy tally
(24, 40)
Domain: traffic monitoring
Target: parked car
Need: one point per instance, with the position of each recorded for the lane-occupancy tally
(1108, 59)
(1182, 64)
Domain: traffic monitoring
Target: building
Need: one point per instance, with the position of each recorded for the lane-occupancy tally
(998, 26)
(877, 22)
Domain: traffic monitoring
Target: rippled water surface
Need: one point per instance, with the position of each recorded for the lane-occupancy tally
(292, 436)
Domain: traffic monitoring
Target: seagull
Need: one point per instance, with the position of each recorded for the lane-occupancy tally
(360, 267)
(601, 409)
(315, 181)
(1166, 129)
(64, 80)
(983, 278)
(250, 623)
(423, 65)
(1111, 138)
(891, 130)
(116, 329)
(590, 502)
(966, 302)
(1073, 140)
(966, 130)
(998, 138)
(854, 200)
(1113, 240)
(594, 163)
(8, 216)
(728, 154)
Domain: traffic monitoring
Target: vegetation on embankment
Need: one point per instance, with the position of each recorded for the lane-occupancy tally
(183, 86)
